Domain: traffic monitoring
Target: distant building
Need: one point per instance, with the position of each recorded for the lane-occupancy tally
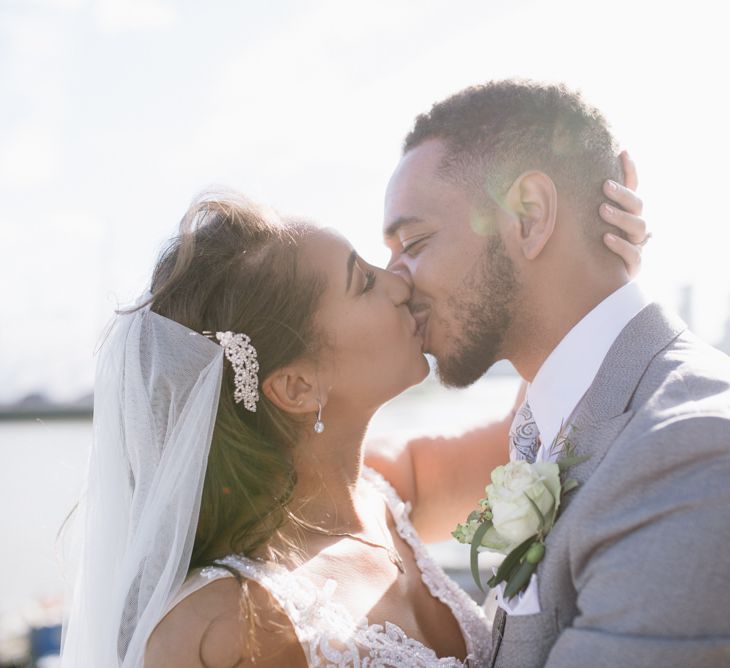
(38, 405)
(686, 305)
(724, 343)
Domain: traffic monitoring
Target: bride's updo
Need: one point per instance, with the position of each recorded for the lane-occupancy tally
(233, 267)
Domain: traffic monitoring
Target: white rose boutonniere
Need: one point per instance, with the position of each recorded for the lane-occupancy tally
(519, 509)
(515, 491)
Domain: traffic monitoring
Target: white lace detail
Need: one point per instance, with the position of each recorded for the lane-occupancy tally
(332, 639)
(470, 617)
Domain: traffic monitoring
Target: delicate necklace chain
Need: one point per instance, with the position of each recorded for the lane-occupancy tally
(392, 552)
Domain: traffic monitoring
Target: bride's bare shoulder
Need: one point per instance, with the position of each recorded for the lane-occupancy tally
(211, 628)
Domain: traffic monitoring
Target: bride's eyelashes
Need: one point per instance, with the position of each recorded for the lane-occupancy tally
(368, 276)
(369, 281)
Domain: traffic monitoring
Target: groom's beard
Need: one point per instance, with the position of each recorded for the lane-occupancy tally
(483, 313)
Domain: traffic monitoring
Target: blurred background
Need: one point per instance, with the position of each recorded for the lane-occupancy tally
(115, 113)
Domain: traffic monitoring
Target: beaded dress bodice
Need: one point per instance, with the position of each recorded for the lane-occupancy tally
(331, 638)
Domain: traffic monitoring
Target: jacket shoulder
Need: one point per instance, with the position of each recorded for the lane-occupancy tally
(688, 379)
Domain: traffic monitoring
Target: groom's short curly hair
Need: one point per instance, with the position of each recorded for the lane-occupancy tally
(496, 131)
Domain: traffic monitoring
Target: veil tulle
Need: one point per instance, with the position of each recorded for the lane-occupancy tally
(155, 401)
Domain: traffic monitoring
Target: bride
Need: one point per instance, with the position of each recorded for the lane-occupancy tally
(228, 518)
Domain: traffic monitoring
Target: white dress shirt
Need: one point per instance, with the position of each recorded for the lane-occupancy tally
(561, 382)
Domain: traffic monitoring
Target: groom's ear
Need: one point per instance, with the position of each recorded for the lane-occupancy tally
(532, 201)
(294, 389)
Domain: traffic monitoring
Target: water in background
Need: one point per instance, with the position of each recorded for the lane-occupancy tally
(42, 464)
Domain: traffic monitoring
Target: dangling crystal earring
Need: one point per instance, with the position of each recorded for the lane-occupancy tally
(319, 425)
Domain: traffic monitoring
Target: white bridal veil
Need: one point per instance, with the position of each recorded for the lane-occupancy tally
(155, 401)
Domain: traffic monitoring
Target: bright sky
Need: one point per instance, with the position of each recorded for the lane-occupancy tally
(115, 113)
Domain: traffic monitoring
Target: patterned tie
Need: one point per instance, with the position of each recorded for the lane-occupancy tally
(524, 437)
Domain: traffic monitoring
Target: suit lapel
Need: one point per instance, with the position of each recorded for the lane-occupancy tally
(500, 620)
(605, 409)
(594, 442)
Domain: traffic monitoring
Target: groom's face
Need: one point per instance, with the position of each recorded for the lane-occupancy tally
(449, 251)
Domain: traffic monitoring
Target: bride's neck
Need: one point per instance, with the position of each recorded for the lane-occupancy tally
(328, 467)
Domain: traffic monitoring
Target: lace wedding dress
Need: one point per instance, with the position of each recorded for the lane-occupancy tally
(331, 638)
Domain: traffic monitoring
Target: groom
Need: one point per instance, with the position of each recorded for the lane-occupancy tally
(491, 216)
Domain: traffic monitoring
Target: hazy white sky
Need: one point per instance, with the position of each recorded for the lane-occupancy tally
(115, 113)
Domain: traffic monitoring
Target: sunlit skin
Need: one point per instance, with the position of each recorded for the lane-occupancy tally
(351, 375)
(429, 229)
(436, 233)
(433, 246)
(357, 372)
(370, 352)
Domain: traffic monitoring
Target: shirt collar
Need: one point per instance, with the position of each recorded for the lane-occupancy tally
(571, 367)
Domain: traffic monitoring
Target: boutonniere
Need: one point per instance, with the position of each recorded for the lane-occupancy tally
(515, 517)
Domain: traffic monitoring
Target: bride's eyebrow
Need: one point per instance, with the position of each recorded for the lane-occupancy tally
(350, 266)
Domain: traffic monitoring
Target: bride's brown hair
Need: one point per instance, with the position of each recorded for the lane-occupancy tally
(234, 267)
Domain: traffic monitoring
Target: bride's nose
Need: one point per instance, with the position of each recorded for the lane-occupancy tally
(400, 291)
(399, 268)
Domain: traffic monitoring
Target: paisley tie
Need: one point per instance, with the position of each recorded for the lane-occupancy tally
(524, 438)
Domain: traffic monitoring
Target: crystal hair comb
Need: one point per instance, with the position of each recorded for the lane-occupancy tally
(243, 358)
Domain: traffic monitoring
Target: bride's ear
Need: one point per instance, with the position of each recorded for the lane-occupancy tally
(293, 389)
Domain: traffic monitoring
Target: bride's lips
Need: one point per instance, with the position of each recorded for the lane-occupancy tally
(414, 326)
(421, 316)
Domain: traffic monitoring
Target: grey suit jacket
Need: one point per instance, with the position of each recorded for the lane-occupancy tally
(637, 568)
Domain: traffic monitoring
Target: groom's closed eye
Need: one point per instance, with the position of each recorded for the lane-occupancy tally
(413, 245)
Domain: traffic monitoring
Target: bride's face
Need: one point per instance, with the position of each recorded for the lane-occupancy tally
(372, 350)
